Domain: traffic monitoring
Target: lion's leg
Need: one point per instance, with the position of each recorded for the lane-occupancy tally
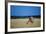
(27, 22)
(31, 21)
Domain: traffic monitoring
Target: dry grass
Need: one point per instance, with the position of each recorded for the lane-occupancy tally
(21, 23)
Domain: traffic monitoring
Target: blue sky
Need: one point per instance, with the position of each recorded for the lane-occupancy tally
(25, 10)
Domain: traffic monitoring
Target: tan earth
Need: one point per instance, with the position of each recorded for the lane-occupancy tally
(21, 23)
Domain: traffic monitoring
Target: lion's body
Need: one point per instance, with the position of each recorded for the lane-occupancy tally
(30, 20)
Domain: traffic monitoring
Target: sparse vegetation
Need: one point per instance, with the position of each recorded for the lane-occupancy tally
(21, 23)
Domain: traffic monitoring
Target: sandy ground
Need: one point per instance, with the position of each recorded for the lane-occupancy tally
(21, 23)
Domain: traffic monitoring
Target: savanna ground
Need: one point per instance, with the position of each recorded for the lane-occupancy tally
(21, 23)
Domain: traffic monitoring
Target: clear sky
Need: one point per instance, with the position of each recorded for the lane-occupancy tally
(25, 10)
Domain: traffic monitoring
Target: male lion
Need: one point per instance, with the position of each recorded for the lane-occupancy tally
(30, 20)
